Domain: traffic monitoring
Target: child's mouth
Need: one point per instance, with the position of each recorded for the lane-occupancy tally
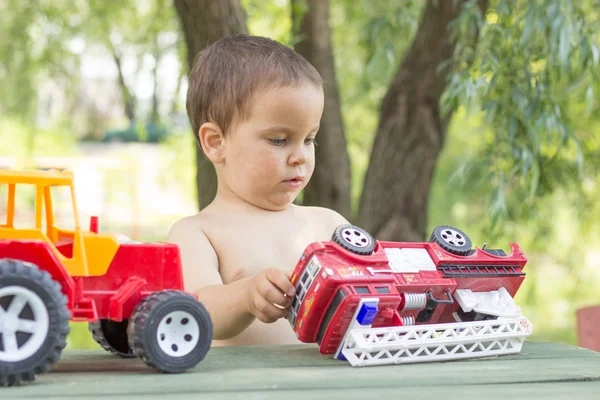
(293, 182)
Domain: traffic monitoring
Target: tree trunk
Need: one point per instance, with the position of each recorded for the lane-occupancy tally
(154, 116)
(128, 99)
(411, 132)
(175, 105)
(204, 22)
(331, 181)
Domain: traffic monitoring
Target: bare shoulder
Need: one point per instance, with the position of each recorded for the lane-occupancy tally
(188, 229)
(327, 218)
(198, 257)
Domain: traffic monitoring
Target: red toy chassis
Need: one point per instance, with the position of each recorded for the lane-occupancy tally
(374, 302)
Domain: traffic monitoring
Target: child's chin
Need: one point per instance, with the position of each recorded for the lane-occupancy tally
(281, 203)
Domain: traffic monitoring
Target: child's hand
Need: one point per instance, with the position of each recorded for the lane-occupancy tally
(269, 295)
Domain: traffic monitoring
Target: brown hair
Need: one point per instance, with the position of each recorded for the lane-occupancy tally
(226, 74)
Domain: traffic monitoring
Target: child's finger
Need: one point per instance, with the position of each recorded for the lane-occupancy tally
(279, 279)
(272, 294)
(267, 312)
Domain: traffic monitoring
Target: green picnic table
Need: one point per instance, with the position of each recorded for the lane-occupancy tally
(541, 370)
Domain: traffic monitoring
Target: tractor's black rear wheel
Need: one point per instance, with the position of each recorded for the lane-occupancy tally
(112, 336)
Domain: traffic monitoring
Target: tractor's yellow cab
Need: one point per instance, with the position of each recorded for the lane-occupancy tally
(82, 253)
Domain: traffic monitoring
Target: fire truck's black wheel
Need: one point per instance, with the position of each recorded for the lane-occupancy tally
(451, 239)
(170, 331)
(34, 322)
(112, 336)
(354, 239)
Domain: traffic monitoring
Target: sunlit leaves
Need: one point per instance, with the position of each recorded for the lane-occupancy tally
(272, 18)
(43, 41)
(385, 35)
(532, 61)
(33, 49)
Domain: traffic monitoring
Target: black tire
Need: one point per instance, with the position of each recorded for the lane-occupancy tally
(354, 239)
(451, 239)
(147, 319)
(495, 252)
(112, 336)
(32, 285)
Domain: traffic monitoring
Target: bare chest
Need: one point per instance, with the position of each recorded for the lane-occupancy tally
(247, 250)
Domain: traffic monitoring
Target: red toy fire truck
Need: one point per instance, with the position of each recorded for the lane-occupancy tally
(131, 294)
(373, 302)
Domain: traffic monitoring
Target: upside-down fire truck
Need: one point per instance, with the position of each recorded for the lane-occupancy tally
(374, 302)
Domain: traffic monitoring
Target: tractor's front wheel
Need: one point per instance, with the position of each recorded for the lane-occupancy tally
(34, 322)
(170, 331)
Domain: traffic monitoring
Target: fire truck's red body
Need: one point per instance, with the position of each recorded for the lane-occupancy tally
(415, 284)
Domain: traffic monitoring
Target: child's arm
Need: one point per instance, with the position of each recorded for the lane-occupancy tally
(234, 306)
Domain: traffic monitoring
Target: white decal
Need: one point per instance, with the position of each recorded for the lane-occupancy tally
(374, 271)
(409, 260)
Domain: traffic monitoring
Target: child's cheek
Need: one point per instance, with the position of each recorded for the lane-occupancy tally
(265, 166)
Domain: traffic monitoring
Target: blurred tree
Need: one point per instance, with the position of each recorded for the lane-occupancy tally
(33, 50)
(504, 58)
(534, 62)
(531, 66)
(204, 22)
(412, 130)
(330, 184)
(114, 26)
(149, 29)
(515, 59)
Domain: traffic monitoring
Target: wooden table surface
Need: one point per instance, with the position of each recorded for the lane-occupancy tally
(541, 370)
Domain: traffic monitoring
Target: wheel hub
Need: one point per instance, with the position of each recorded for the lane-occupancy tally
(355, 237)
(9, 323)
(452, 237)
(14, 347)
(178, 333)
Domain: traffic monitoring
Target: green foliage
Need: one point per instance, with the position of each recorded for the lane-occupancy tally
(33, 49)
(269, 18)
(559, 238)
(533, 61)
(145, 31)
(178, 158)
(43, 40)
(22, 141)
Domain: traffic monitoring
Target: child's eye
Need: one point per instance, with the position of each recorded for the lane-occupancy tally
(277, 142)
(310, 141)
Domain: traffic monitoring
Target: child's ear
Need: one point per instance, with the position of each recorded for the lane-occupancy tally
(212, 141)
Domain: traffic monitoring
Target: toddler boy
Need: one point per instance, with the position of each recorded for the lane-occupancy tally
(255, 107)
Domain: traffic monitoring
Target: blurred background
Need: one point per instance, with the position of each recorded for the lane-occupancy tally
(484, 115)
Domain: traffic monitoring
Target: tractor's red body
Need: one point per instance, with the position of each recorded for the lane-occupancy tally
(137, 270)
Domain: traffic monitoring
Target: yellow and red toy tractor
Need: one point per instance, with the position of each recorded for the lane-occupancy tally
(131, 294)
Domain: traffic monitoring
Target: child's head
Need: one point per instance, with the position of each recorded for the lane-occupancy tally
(255, 106)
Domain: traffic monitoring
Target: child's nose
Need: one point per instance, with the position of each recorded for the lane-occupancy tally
(298, 157)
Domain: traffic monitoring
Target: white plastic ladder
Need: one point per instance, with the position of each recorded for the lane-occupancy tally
(365, 346)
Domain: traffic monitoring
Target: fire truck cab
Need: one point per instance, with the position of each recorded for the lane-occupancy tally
(375, 302)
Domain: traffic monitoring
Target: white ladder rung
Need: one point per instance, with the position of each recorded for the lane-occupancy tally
(394, 345)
